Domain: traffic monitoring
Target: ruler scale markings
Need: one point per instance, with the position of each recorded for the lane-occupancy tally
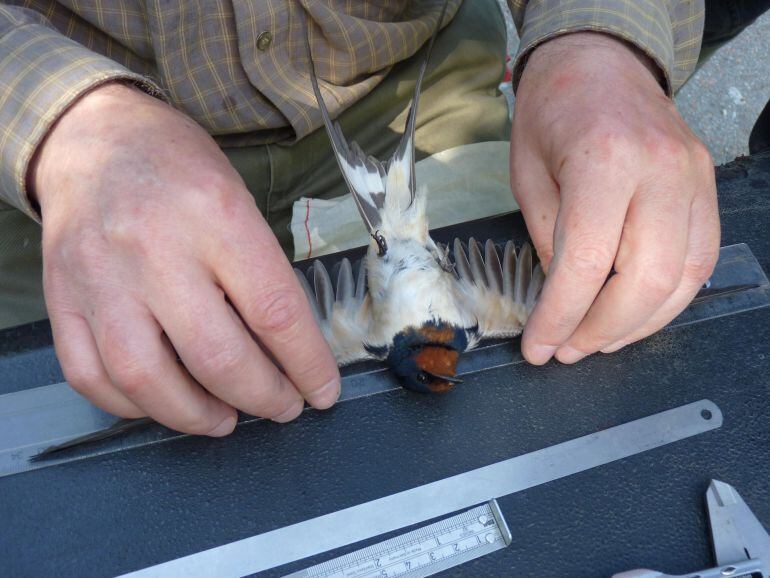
(392, 558)
(430, 501)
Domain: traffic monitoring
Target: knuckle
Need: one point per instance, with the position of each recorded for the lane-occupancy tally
(138, 227)
(277, 310)
(702, 155)
(670, 151)
(131, 371)
(660, 280)
(317, 367)
(213, 186)
(219, 196)
(132, 376)
(590, 339)
(82, 253)
(196, 421)
(700, 266)
(84, 379)
(274, 399)
(222, 358)
(611, 143)
(268, 400)
(601, 338)
(562, 324)
(588, 261)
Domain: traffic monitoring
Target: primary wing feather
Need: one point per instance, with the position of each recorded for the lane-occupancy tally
(343, 311)
(500, 295)
(120, 427)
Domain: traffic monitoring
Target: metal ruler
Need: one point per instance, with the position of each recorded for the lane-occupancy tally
(425, 551)
(430, 501)
(35, 419)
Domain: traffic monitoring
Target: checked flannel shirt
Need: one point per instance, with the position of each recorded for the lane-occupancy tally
(239, 67)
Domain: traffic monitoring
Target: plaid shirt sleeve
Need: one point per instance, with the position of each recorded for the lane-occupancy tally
(668, 31)
(237, 67)
(42, 73)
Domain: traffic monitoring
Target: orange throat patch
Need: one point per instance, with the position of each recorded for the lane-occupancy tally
(438, 361)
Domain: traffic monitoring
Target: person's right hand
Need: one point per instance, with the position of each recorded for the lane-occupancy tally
(153, 247)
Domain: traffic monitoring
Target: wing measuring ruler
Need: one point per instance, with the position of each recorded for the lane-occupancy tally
(34, 419)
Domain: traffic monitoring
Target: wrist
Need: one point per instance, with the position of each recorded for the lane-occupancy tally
(597, 50)
(85, 118)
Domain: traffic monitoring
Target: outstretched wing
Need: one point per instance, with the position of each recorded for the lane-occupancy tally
(342, 309)
(500, 293)
(364, 174)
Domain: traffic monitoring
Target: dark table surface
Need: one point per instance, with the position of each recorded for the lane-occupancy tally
(126, 510)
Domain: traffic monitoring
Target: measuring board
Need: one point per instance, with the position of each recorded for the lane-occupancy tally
(431, 501)
(35, 419)
(425, 551)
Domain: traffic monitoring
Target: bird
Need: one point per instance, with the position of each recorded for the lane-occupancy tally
(414, 304)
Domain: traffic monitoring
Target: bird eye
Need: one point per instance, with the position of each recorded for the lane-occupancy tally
(423, 377)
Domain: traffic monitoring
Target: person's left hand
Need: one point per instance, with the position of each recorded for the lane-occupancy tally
(607, 174)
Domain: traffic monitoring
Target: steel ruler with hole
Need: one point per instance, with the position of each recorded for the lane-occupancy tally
(432, 501)
(34, 419)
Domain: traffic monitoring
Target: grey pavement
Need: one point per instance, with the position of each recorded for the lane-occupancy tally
(723, 99)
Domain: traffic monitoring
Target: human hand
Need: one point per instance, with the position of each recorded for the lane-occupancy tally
(153, 247)
(607, 174)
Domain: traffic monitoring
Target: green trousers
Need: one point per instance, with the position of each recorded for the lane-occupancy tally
(460, 104)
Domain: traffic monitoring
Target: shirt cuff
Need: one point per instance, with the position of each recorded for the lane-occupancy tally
(42, 74)
(645, 24)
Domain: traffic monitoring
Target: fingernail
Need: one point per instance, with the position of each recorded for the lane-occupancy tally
(326, 396)
(567, 354)
(225, 428)
(540, 354)
(291, 413)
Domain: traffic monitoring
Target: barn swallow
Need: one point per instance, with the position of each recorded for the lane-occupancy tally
(414, 305)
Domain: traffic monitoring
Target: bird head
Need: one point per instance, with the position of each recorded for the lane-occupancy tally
(425, 358)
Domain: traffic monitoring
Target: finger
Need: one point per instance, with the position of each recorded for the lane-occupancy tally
(219, 352)
(140, 362)
(259, 281)
(586, 237)
(538, 197)
(648, 269)
(702, 254)
(83, 368)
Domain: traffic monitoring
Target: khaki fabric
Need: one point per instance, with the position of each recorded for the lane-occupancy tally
(21, 285)
(464, 183)
(460, 104)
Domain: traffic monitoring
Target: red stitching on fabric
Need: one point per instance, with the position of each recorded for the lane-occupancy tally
(307, 231)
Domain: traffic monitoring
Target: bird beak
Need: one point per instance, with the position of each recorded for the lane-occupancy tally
(448, 378)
